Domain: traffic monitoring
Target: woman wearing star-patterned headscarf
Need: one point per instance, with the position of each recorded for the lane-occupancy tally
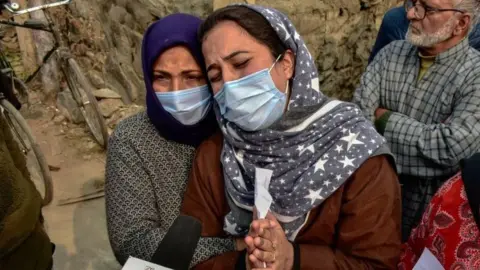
(335, 193)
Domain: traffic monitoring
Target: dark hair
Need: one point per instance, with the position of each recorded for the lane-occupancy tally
(253, 22)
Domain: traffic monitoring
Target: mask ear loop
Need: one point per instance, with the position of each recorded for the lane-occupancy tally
(276, 61)
(287, 95)
(287, 90)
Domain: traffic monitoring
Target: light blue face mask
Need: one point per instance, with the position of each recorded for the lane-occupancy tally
(187, 106)
(252, 102)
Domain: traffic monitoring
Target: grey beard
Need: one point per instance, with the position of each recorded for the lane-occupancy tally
(429, 40)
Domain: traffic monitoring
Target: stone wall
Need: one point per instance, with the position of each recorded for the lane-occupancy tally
(339, 34)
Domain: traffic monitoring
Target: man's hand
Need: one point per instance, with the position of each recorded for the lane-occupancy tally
(380, 112)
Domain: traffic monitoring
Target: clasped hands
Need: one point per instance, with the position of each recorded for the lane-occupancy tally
(267, 245)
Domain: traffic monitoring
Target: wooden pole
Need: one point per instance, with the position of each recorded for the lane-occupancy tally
(25, 42)
(44, 42)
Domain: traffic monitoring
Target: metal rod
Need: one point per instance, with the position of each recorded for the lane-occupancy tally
(44, 60)
(13, 7)
(23, 25)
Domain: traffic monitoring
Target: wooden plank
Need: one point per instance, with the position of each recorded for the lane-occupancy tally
(25, 41)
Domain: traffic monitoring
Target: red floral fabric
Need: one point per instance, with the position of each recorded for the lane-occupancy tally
(447, 229)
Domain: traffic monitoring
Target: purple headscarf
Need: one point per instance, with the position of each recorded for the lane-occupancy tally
(170, 31)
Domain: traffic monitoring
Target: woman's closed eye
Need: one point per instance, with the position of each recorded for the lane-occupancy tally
(215, 77)
(237, 65)
(241, 64)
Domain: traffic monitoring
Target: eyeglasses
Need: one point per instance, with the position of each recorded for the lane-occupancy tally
(420, 10)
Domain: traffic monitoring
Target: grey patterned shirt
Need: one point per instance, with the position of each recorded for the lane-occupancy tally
(435, 121)
(146, 177)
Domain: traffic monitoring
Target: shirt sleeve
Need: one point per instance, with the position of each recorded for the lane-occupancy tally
(205, 199)
(133, 221)
(440, 145)
(368, 234)
(20, 202)
(367, 95)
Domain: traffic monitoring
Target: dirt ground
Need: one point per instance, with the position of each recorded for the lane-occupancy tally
(78, 230)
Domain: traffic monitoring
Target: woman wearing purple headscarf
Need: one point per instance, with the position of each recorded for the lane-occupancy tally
(150, 154)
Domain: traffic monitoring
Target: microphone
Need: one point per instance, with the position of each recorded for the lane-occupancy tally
(176, 249)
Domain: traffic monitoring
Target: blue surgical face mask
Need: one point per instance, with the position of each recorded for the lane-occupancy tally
(187, 106)
(252, 102)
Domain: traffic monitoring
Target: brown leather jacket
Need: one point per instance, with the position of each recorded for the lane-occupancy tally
(358, 227)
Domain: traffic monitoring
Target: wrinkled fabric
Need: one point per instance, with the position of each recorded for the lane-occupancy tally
(253, 102)
(144, 185)
(188, 106)
(357, 227)
(23, 241)
(447, 229)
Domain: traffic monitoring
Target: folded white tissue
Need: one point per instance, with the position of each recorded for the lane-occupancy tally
(137, 264)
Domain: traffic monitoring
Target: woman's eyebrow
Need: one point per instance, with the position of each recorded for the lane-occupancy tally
(160, 71)
(191, 71)
(230, 56)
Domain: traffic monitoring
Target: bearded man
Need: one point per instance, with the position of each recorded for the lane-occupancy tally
(424, 96)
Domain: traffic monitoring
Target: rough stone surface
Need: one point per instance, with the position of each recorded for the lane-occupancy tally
(96, 78)
(106, 93)
(68, 107)
(116, 76)
(59, 119)
(339, 34)
(109, 106)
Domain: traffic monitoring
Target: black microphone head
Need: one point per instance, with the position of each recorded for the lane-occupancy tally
(178, 246)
